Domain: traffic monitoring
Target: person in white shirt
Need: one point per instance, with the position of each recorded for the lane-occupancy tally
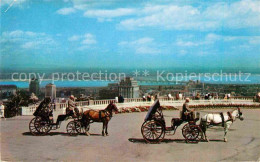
(2, 110)
(180, 96)
(169, 96)
(228, 96)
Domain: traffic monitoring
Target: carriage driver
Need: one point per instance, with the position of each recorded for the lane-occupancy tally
(69, 110)
(187, 113)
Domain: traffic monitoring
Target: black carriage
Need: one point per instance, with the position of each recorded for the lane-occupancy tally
(154, 126)
(43, 123)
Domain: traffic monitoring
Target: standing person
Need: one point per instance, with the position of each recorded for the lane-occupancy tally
(121, 99)
(152, 98)
(148, 98)
(169, 96)
(180, 96)
(177, 96)
(2, 110)
(197, 96)
(228, 96)
(144, 98)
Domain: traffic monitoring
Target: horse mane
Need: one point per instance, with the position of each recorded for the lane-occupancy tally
(108, 106)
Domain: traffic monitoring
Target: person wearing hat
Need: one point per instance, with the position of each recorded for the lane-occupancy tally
(71, 106)
(187, 113)
(69, 110)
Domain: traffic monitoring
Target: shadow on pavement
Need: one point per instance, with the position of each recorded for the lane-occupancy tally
(59, 133)
(140, 140)
(49, 134)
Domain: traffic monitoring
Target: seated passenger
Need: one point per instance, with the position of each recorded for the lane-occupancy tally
(187, 113)
(43, 108)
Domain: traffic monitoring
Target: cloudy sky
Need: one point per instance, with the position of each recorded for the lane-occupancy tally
(123, 33)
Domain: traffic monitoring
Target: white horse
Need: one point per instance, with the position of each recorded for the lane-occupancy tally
(215, 119)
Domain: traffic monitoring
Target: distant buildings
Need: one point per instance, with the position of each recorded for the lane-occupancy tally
(7, 90)
(50, 91)
(34, 86)
(128, 88)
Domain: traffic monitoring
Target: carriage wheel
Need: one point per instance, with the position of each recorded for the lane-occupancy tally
(32, 128)
(81, 128)
(42, 126)
(72, 128)
(192, 133)
(153, 131)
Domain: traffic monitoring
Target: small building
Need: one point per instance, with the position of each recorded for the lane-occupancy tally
(128, 88)
(7, 90)
(50, 91)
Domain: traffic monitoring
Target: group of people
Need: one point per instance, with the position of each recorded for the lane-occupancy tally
(179, 96)
(149, 98)
(227, 96)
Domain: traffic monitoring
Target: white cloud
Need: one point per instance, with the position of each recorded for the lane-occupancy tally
(241, 14)
(89, 39)
(85, 41)
(74, 38)
(144, 45)
(66, 11)
(26, 39)
(101, 14)
(188, 43)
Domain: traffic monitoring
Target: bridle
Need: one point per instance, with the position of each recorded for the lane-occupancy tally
(108, 110)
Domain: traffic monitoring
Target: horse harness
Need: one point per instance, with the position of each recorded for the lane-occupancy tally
(107, 114)
(229, 117)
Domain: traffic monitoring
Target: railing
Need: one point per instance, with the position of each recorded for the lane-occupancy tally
(138, 101)
(103, 102)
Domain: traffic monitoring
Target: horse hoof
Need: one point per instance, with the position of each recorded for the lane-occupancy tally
(87, 133)
(225, 140)
(104, 135)
(107, 134)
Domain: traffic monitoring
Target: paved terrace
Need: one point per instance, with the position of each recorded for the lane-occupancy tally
(125, 142)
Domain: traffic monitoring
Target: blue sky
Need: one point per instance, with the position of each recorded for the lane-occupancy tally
(122, 33)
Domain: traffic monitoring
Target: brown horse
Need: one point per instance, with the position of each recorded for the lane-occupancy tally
(103, 116)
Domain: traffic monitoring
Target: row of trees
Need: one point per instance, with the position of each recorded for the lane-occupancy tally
(15, 102)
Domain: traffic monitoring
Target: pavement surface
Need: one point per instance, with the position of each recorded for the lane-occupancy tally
(125, 142)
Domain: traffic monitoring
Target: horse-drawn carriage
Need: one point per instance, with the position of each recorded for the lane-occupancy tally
(154, 126)
(43, 123)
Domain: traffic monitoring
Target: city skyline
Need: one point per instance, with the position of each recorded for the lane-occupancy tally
(120, 34)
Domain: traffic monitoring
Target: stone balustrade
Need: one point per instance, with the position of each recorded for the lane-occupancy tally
(129, 102)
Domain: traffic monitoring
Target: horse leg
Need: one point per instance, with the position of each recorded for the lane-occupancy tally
(87, 133)
(103, 134)
(226, 127)
(203, 126)
(106, 128)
